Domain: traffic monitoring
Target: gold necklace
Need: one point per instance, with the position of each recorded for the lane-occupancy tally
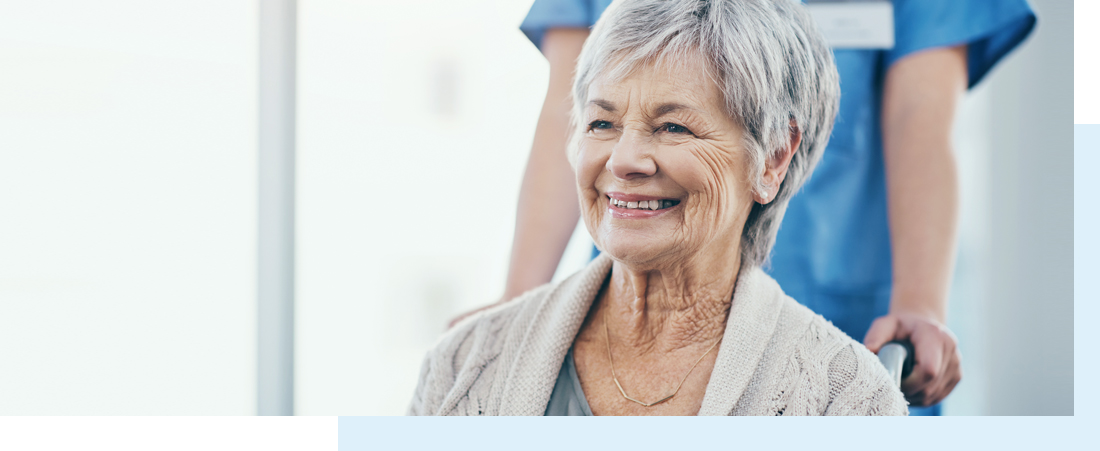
(607, 339)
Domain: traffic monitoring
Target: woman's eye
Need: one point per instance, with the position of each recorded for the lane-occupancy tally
(599, 125)
(674, 128)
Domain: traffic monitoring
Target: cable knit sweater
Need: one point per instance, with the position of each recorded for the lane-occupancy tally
(777, 357)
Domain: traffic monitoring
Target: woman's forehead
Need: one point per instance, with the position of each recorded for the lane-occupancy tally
(684, 84)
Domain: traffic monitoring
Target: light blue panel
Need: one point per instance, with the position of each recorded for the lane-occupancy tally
(1086, 223)
(677, 433)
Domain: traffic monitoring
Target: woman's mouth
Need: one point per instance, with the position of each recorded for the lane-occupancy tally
(637, 206)
(656, 204)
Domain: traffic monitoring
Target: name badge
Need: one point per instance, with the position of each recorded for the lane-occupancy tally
(855, 24)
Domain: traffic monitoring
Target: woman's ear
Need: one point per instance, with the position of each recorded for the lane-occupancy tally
(775, 167)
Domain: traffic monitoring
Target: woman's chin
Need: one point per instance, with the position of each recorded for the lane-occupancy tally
(633, 252)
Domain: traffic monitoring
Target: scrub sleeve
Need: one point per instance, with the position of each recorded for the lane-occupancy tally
(832, 252)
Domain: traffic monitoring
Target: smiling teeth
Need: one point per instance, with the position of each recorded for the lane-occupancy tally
(643, 205)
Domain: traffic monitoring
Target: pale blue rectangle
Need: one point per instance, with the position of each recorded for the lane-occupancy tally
(703, 433)
(1086, 268)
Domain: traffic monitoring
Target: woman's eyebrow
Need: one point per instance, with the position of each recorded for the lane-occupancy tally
(661, 110)
(666, 108)
(610, 107)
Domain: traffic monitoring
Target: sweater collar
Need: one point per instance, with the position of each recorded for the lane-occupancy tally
(546, 337)
(757, 301)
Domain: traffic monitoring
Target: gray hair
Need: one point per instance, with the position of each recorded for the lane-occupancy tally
(766, 56)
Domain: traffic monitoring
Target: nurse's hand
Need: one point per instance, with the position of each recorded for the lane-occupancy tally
(936, 370)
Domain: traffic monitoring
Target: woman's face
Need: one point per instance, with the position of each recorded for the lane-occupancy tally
(661, 170)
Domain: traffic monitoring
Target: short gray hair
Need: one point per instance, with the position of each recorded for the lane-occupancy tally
(766, 56)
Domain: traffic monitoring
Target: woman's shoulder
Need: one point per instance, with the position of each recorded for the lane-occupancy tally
(485, 328)
(471, 346)
(556, 302)
(813, 329)
(521, 335)
(858, 383)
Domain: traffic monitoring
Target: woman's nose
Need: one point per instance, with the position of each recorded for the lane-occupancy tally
(631, 158)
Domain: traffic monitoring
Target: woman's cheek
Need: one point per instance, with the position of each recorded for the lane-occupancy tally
(587, 174)
(588, 163)
(706, 176)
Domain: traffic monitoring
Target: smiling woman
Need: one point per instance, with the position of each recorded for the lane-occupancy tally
(695, 123)
(663, 135)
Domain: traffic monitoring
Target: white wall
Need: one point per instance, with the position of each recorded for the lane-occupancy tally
(1030, 310)
(127, 207)
(415, 125)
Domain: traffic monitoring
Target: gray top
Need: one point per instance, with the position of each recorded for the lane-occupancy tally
(567, 399)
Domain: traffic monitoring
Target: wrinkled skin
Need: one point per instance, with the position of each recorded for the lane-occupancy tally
(662, 132)
(692, 154)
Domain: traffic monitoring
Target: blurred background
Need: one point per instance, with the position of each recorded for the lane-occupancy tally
(128, 203)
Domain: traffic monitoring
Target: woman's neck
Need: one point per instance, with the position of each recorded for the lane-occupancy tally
(683, 305)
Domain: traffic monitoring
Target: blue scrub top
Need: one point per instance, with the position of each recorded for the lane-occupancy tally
(832, 252)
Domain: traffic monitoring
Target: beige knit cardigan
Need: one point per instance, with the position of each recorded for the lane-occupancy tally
(777, 357)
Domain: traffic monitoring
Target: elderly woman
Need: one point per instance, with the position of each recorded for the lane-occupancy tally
(696, 123)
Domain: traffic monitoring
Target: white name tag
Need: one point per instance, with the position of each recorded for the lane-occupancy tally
(867, 24)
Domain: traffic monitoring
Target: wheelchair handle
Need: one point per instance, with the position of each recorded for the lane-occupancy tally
(897, 357)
